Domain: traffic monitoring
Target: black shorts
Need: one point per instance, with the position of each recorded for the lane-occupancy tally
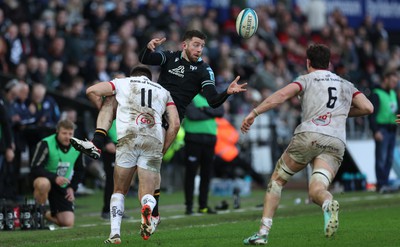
(58, 202)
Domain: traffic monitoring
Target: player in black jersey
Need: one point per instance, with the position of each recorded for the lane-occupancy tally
(183, 73)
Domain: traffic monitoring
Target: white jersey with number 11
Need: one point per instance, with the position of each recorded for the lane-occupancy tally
(141, 104)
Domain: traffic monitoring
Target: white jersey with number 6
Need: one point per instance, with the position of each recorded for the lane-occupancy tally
(326, 100)
(141, 104)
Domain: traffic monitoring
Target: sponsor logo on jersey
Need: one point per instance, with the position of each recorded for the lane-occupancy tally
(145, 120)
(179, 71)
(176, 59)
(192, 68)
(323, 120)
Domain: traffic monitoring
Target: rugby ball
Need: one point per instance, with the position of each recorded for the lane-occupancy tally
(246, 23)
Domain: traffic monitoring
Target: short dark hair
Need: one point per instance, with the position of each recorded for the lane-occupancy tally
(66, 124)
(389, 72)
(141, 70)
(194, 33)
(319, 56)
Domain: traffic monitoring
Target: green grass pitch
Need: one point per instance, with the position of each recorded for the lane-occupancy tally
(365, 219)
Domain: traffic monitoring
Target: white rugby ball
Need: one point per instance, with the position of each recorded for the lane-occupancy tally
(246, 23)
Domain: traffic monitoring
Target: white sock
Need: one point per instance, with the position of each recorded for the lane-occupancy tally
(149, 200)
(325, 205)
(116, 213)
(266, 224)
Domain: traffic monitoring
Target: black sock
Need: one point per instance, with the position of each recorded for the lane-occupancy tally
(99, 138)
(157, 197)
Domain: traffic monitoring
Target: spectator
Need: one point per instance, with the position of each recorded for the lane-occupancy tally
(51, 34)
(4, 22)
(15, 10)
(100, 71)
(316, 15)
(61, 21)
(53, 77)
(21, 117)
(114, 55)
(75, 10)
(42, 69)
(44, 107)
(21, 73)
(70, 71)
(381, 55)
(39, 41)
(56, 50)
(14, 47)
(6, 152)
(75, 43)
(33, 73)
(3, 56)
(45, 112)
(11, 171)
(129, 60)
(10, 95)
(95, 13)
(26, 41)
(76, 90)
(118, 15)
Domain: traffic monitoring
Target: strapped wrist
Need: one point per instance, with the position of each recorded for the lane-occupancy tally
(256, 112)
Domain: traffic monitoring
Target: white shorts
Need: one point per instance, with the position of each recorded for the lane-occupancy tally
(307, 146)
(143, 151)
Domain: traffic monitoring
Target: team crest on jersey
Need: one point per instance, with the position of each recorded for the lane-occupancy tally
(323, 120)
(145, 120)
(179, 71)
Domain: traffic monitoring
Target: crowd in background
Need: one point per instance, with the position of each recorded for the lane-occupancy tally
(66, 46)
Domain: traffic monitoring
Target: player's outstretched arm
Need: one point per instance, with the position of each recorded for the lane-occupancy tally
(248, 121)
(148, 55)
(216, 99)
(154, 43)
(269, 103)
(106, 106)
(96, 92)
(235, 88)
